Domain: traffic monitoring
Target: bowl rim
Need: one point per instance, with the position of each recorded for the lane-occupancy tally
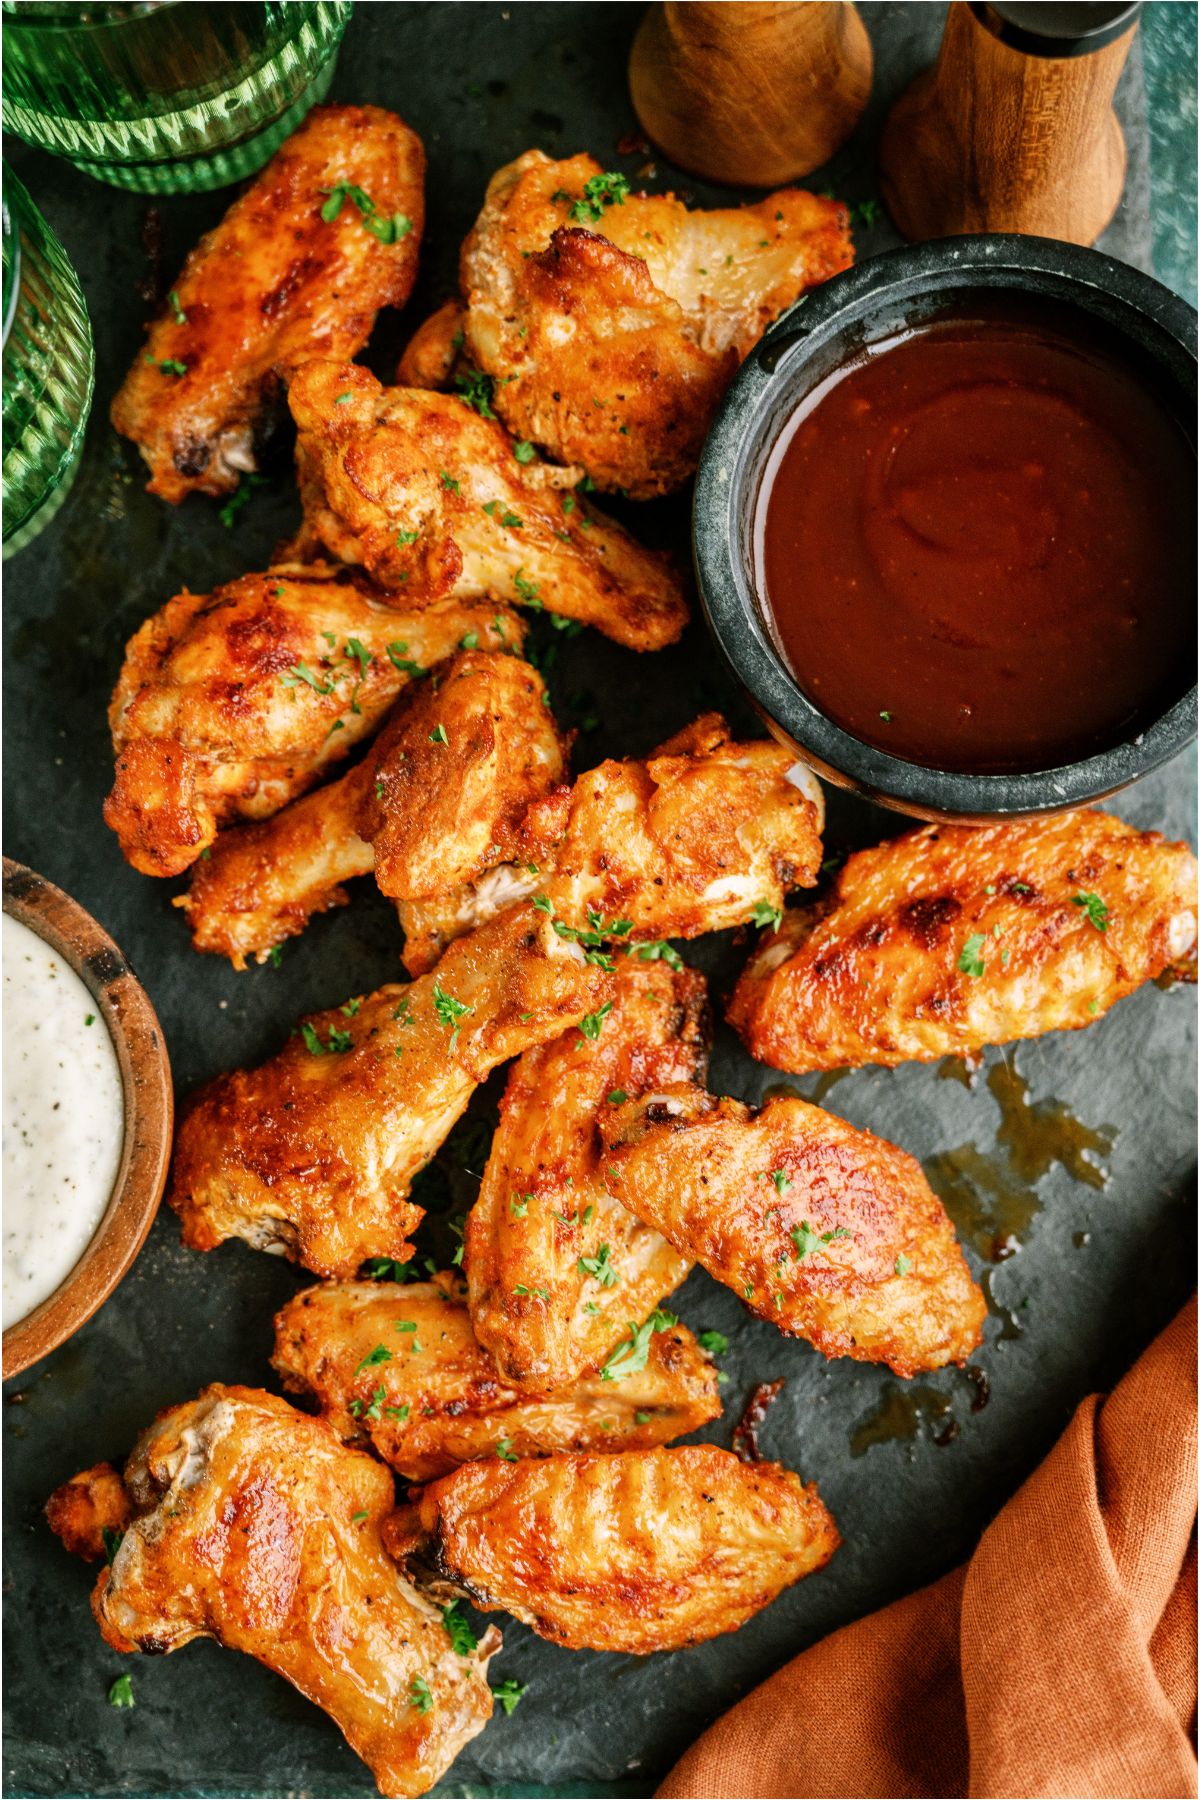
(1111, 290)
(137, 1038)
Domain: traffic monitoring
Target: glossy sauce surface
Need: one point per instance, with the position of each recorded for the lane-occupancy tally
(975, 546)
(64, 1119)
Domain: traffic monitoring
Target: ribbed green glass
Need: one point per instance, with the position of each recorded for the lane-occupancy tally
(167, 98)
(49, 365)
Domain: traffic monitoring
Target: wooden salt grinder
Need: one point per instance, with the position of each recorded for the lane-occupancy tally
(1013, 128)
(751, 94)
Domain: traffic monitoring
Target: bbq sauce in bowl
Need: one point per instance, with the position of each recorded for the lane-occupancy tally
(975, 542)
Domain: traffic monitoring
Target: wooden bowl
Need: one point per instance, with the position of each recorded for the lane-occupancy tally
(137, 1037)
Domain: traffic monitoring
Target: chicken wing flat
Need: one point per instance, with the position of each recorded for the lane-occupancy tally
(437, 801)
(89, 1512)
(434, 500)
(829, 1232)
(703, 835)
(556, 1268)
(230, 704)
(312, 1155)
(400, 1367)
(954, 937)
(653, 1550)
(612, 322)
(254, 1525)
(298, 267)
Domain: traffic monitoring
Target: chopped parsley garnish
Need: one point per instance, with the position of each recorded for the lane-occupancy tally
(449, 482)
(469, 641)
(524, 451)
(658, 951)
(371, 1410)
(865, 213)
(782, 1180)
(763, 913)
(341, 399)
(629, 1357)
(903, 1264)
(970, 959)
(404, 538)
(419, 1694)
(1094, 907)
(591, 1024)
(112, 1543)
(358, 1517)
(301, 672)
(177, 312)
(599, 191)
(399, 1413)
(518, 1208)
(450, 1011)
(509, 1694)
(438, 735)
(715, 1342)
(475, 391)
(239, 498)
(618, 1097)
(405, 1325)
(380, 1354)
(404, 663)
(539, 1293)
(599, 1267)
(387, 1268)
(91, 1019)
(642, 1418)
(807, 1240)
(337, 1044)
(886, 717)
(275, 955)
(458, 1628)
(169, 365)
(121, 1692)
(388, 231)
(505, 1451)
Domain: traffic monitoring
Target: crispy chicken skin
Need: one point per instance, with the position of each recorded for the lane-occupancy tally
(437, 1399)
(954, 937)
(230, 704)
(435, 349)
(555, 1267)
(613, 330)
(831, 1233)
(273, 285)
(312, 1155)
(695, 838)
(437, 800)
(653, 1550)
(93, 1502)
(254, 1525)
(431, 499)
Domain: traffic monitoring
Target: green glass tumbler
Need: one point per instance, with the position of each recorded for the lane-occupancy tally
(49, 367)
(167, 98)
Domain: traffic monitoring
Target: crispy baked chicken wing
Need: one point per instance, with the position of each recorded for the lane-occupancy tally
(653, 1550)
(702, 835)
(613, 322)
(230, 704)
(954, 937)
(298, 267)
(254, 1525)
(312, 1155)
(437, 801)
(433, 500)
(90, 1511)
(829, 1232)
(555, 1267)
(400, 1367)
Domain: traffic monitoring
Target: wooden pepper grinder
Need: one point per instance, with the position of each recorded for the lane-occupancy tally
(749, 92)
(1013, 128)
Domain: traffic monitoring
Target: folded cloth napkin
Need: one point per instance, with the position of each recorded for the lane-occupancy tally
(1061, 1660)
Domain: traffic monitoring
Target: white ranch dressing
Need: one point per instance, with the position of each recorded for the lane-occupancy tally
(64, 1123)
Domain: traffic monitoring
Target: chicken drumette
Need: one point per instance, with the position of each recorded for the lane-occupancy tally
(954, 937)
(653, 1550)
(249, 1523)
(230, 704)
(556, 1268)
(612, 323)
(312, 1155)
(400, 1367)
(829, 1232)
(437, 801)
(434, 499)
(298, 267)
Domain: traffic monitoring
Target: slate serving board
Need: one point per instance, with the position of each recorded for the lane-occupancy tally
(1105, 1257)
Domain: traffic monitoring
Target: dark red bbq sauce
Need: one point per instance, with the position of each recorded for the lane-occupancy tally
(976, 545)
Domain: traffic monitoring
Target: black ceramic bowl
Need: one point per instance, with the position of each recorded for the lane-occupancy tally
(877, 299)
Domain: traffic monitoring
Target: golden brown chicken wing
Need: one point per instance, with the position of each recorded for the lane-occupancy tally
(829, 1232)
(298, 267)
(555, 1267)
(400, 1367)
(437, 801)
(954, 937)
(256, 1526)
(90, 1511)
(232, 703)
(703, 835)
(434, 500)
(612, 322)
(312, 1155)
(652, 1550)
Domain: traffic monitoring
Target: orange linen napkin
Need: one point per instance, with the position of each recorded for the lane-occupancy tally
(1060, 1661)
